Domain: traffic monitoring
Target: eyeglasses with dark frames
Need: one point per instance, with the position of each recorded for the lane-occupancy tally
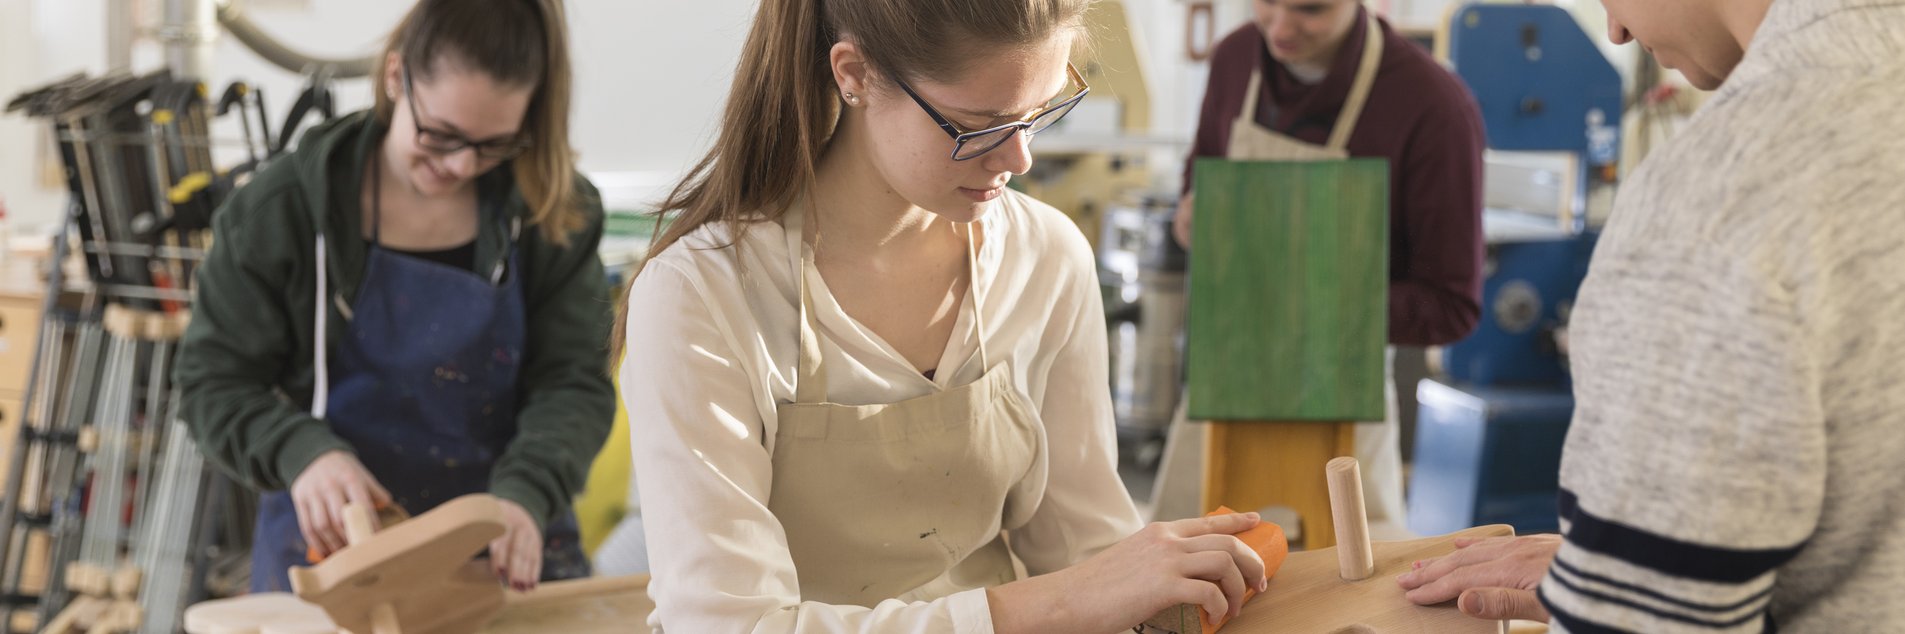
(446, 142)
(969, 145)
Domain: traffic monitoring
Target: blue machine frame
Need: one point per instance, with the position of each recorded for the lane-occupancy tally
(1488, 441)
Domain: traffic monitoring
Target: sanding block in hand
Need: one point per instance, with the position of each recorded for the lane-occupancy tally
(1267, 540)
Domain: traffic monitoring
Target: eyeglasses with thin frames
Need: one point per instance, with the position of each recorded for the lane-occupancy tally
(970, 145)
(443, 142)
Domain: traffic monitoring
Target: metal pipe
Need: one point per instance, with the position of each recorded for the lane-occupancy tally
(232, 16)
(190, 35)
(120, 33)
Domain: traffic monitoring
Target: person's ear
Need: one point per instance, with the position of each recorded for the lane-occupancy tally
(852, 73)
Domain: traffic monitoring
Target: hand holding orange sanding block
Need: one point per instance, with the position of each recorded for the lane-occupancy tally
(1269, 543)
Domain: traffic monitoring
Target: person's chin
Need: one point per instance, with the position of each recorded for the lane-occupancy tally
(431, 182)
(1702, 79)
(962, 209)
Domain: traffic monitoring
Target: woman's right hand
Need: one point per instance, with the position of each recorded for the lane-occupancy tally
(1196, 560)
(321, 492)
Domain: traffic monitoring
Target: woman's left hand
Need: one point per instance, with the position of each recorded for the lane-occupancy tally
(516, 557)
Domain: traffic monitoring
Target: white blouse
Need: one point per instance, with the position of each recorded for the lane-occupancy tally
(713, 338)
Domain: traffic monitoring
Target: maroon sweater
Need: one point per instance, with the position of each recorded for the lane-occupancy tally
(1419, 117)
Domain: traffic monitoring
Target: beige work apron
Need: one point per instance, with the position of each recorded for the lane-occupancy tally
(1378, 443)
(902, 500)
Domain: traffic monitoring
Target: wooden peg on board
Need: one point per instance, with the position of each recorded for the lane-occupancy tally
(1353, 552)
(1352, 587)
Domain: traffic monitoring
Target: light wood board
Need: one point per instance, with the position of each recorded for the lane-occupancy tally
(1308, 595)
(599, 605)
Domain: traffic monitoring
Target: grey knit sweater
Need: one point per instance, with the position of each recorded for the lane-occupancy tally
(1737, 460)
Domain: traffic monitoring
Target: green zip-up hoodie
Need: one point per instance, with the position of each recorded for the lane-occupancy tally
(245, 366)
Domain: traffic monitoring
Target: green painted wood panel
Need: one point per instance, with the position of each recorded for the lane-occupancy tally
(1289, 290)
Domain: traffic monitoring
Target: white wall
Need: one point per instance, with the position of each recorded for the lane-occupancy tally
(651, 77)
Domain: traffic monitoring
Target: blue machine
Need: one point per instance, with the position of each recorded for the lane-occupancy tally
(1542, 86)
(1489, 437)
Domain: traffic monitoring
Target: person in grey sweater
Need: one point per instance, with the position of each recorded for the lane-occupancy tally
(1734, 461)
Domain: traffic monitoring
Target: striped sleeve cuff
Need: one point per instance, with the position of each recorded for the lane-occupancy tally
(1611, 577)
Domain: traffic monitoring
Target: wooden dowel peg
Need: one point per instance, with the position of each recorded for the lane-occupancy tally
(1353, 552)
(357, 524)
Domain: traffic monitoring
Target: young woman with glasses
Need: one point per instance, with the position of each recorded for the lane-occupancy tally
(866, 381)
(409, 308)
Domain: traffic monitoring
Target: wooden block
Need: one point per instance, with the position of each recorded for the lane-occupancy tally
(1267, 540)
(122, 322)
(39, 553)
(125, 583)
(120, 616)
(423, 568)
(79, 615)
(24, 622)
(88, 579)
(264, 613)
(1251, 465)
(1309, 595)
(1289, 291)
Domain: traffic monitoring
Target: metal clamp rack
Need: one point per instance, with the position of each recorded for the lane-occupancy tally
(102, 476)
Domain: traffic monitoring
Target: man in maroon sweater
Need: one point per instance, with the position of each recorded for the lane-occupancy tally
(1306, 56)
(1419, 117)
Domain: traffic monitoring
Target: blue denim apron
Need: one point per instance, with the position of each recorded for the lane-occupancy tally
(424, 390)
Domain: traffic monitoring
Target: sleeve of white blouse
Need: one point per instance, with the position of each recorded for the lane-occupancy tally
(718, 556)
(1086, 507)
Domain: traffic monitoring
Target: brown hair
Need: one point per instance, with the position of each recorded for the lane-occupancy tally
(521, 42)
(783, 105)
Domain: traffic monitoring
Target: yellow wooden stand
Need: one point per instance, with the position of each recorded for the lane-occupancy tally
(1250, 465)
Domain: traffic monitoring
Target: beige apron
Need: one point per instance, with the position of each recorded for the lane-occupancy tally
(902, 500)
(1377, 444)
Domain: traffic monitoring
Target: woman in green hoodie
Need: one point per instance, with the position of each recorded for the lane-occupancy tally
(409, 308)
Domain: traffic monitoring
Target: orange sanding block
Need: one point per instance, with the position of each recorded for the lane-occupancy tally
(1268, 540)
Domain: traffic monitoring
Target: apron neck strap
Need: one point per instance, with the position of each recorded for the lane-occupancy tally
(810, 383)
(972, 288)
(1359, 92)
(810, 380)
(1249, 114)
(1352, 112)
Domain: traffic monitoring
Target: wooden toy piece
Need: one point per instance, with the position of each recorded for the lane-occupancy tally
(417, 577)
(1353, 553)
(1269, 543)
(87, 579)
(1253, 465)
(388, 516)
(263, 613)
(1309, 594)
(598, 605)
